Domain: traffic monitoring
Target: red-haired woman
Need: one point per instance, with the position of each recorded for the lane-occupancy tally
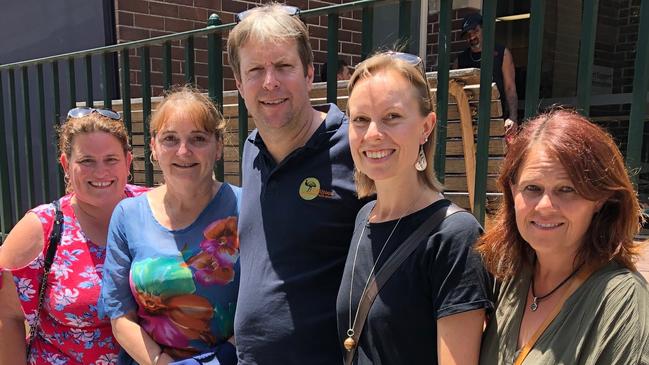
(563, 251)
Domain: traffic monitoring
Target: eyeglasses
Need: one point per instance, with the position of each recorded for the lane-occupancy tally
(415, 61)
(290, 10)
(84, 111)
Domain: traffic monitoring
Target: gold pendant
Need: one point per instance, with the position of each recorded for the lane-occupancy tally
(349, 344)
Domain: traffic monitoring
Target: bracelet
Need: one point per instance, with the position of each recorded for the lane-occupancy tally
(157, 357)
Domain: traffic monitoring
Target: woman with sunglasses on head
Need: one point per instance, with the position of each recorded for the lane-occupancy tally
(431, 310)
(96, 157)
(172, 273)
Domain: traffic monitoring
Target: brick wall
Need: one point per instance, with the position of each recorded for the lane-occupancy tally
(141, 19)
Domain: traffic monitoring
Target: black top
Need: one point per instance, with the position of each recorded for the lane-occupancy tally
(469, 59)
(295, 225)
(444, 276)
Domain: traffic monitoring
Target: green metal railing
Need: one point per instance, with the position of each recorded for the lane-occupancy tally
(18, 187)
(19, 191)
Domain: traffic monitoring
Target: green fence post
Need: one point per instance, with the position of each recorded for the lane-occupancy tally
(243, 130)
(215, 79)
(332, 57)
(29, 147)
(60, 182)
(90, 99)
(586, 54)
(444, 44)
(166, 65)
(72, 83)
(44, 166)
(16, 183)
(5, 197)
(126, 99)
(639, 103)
(189, 60)
(367, 29)
(146, 112)
(534, 53)
(108, 102)
(484, 115)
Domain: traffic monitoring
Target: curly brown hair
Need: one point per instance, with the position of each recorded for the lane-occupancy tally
(596, 168)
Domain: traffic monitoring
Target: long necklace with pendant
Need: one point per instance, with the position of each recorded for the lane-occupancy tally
(349, 342)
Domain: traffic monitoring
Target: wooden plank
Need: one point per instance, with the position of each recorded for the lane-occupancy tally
(496, 128)
(468, 144)
(458, 183)
(496, 147)
(455, 165)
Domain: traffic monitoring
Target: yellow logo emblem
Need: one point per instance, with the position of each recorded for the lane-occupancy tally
(309, 188)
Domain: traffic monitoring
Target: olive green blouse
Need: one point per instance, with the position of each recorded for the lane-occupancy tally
(605, 321)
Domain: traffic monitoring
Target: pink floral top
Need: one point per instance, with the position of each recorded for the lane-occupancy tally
(71, 332)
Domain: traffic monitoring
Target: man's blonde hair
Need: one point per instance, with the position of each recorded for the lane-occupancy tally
(269, 23)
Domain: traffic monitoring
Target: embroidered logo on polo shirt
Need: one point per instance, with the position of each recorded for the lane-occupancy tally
(310, 189)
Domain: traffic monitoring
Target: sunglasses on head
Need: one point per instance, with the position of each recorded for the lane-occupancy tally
(84, 111)
(290, 10)
(413, 60)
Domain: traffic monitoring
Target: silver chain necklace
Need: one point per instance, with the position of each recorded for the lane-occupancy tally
(349, 342)
(473, 59)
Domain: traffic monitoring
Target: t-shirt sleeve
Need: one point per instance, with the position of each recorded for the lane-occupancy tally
(116, 299)
(458, 277)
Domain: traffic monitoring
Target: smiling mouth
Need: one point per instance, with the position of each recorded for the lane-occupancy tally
(378, 154)
(100, 184)
(185, 165)
(273, 102)
(546, 225)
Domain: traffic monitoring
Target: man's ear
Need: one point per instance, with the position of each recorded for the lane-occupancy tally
(310, 74)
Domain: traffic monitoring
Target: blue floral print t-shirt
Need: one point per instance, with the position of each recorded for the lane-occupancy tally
(183, 284)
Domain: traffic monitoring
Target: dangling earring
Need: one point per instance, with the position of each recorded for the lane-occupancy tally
(152, 159)
(129, 177)
(421, 163)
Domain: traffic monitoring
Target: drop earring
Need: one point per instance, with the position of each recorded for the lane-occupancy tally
(421, 163)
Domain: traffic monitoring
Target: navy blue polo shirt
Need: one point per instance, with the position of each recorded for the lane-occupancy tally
(295, 225)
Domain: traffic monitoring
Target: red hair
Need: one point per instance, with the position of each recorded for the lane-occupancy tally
(596, 168)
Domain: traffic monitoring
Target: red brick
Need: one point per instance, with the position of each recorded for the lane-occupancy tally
(208, 4)
(124, 18)
(192, 13)
(149, 21)
(183, 2)
(234, 7)
(350, 48)
(348, 24)
(125, 34)
(136, 6)
(163, 9)
(317, 31)
(177, 25)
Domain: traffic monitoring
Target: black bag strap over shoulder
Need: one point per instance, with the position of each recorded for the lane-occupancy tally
(54, 239)
(391, 265)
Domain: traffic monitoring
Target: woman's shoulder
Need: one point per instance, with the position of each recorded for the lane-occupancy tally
(135, 190)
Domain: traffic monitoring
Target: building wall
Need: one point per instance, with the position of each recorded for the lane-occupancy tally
(141, 19)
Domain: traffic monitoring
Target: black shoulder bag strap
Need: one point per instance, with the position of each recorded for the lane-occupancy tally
(391, 265)
(54, 239)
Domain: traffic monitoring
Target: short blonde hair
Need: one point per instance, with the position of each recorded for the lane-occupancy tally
(385, 61)
(269, 23)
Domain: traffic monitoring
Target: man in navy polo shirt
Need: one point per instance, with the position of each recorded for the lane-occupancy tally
(298, 201)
